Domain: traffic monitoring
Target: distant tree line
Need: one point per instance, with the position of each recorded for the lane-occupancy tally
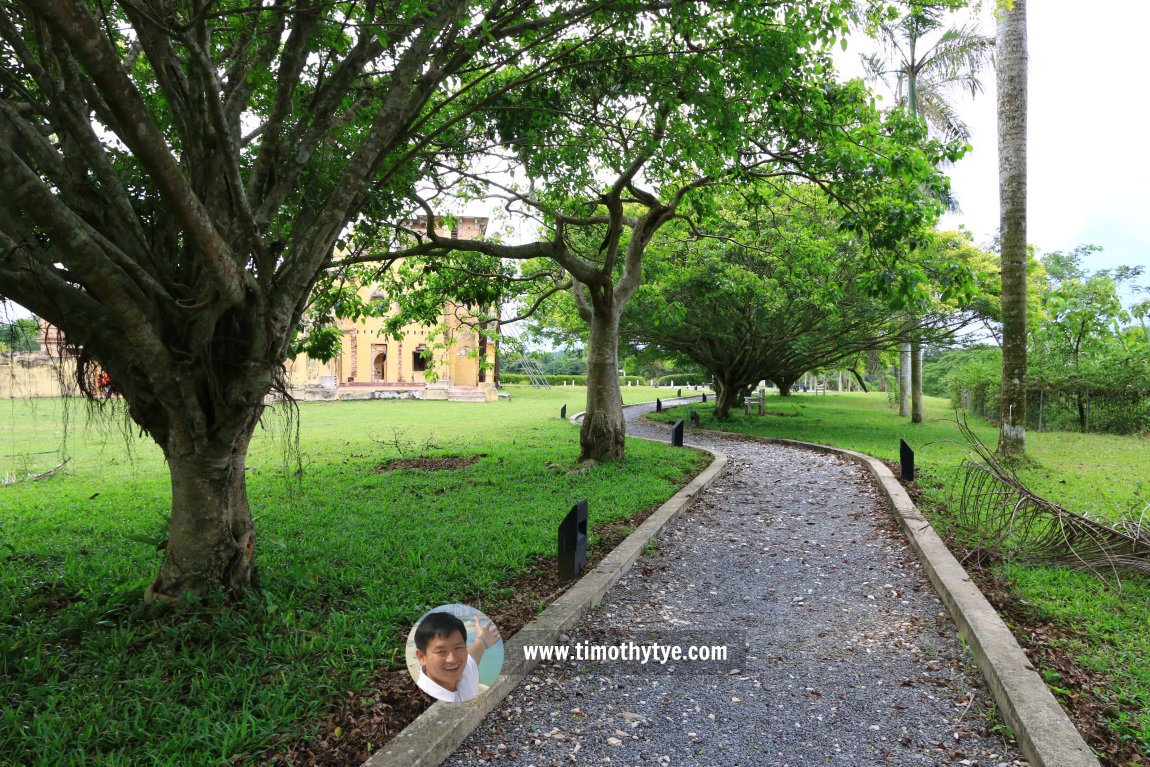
(1088, 356)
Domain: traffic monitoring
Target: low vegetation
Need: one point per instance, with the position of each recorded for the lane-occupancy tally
(1090, 632)
(353, 550)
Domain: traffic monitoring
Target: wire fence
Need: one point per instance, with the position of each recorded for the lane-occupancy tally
(1075, 408)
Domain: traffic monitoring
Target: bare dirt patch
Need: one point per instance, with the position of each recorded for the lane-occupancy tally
(423, 463)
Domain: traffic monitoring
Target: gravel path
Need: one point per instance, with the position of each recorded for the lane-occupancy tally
(839, 651)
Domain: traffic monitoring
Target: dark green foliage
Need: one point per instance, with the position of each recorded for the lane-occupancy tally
(773, 281)
(685, 379)
(1088, 366)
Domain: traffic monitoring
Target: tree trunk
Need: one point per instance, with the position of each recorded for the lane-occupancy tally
(601, 437)
(724, 398)
(211, 540)
(916, 383)
(904, 379)
(730, 393)
(1011, 53)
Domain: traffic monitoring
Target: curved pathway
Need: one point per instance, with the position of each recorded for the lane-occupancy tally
(839, 652)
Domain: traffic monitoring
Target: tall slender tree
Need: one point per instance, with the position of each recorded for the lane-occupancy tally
(1012, 217)
(922, 78)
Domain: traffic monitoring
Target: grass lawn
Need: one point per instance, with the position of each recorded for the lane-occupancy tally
(1104, 626)
(349, 557)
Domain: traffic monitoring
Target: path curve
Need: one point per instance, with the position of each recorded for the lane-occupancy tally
(841, 651)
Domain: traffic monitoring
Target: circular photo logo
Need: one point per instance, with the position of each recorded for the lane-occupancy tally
(454, 653)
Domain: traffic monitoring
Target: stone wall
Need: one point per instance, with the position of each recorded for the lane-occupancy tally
(25, 376)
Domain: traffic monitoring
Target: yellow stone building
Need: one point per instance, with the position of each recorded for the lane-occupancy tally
(428, 363)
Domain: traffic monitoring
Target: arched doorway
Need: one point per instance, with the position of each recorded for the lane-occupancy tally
(379, 362)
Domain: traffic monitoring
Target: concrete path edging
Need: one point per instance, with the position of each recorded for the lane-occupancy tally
(1045, 734)
(437, 732)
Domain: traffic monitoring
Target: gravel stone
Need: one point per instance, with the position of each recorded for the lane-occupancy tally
(841, 653)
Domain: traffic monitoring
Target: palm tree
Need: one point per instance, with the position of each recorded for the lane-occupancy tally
(922, 78)
(1012, 221)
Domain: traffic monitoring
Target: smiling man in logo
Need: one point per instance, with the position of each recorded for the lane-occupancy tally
(449, 669)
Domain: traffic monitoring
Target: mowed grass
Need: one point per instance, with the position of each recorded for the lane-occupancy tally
(1099, 474)
(348, 559)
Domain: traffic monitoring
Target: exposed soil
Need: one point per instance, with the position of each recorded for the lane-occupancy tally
(442, 463)
(368, 718)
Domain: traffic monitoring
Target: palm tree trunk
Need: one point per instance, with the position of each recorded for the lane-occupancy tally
(904, 379)
(1012, 212)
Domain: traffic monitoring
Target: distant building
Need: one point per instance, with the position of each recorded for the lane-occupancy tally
(372, 365)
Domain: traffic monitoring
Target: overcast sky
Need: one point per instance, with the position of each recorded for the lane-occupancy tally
(1088, 155)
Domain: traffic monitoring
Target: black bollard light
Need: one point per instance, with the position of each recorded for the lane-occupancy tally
(677, 434)
(906, 460)
(704, 398)
(658, 405)
(573, 542)
(680, 394)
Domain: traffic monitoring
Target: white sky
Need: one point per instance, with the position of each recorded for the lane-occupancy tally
(1088, 158)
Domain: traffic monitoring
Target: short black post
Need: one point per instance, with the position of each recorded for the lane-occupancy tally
(680, 394)
(563, 412)
(694, 420)
(677, 434)
(704, 398)
(573, 542)
(906, 459)
(658, 405)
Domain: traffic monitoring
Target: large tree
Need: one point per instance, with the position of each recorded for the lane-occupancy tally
(775, 287)
(1011, 72)
(923, 64)
(174, 178)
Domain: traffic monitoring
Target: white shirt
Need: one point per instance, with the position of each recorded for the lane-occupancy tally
(466, 689)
